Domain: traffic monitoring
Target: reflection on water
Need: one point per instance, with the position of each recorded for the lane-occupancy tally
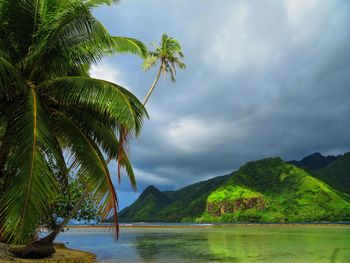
(245, 244)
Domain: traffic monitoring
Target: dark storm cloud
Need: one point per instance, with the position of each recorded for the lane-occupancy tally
(264, 78)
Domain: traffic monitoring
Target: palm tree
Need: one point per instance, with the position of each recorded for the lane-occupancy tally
(168, 55)
(52, 113)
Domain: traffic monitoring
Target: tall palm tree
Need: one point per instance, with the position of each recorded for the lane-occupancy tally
(168, 55)
(52, 112)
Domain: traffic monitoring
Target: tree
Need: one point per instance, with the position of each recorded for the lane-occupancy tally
(65, 202)
(168, 55)
(52, 112)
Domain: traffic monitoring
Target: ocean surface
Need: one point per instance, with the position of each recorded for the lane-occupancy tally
(180, 243)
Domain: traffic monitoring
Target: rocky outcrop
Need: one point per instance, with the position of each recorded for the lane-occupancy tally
(242, 204)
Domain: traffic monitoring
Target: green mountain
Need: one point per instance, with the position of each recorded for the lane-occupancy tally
(144, 208)
(171, 206)
(269, 190)
(315, 161)
(333, 170)
(337, 174)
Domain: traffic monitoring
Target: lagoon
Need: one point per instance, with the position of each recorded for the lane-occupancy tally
(210, 243)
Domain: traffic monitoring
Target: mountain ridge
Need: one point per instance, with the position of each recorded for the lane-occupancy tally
(195, 202)
(192, 197)
(315, 161)
(337, 174)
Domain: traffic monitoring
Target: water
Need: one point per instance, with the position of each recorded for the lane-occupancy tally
(240, 243)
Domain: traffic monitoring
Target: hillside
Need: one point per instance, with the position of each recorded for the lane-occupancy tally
(333, 170)
(337, 174)
(271, 190)
(171, 206)
(144, 208)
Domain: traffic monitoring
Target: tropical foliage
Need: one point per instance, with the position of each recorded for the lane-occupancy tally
(52, 113)
(65, 202)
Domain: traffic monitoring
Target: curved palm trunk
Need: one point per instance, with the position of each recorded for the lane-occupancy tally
(153, 86)
(51, 237)
(44, 246)
(146, 98)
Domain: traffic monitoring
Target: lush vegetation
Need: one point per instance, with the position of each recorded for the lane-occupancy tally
(289, 194)
(333, 170)
(337, 174)
(171, 206)
(65, 202)
(231, 193)
(150, 202)
(53, 114)
(268, 190)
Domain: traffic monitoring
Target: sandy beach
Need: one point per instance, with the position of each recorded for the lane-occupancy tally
(62, 255)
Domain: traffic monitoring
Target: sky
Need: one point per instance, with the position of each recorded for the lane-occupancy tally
(263, 79)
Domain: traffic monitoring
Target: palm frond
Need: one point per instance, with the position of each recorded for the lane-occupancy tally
(149, 62)
(129, 45)
(105, 137)
(91, 164)
(123, 159)
(11, 83)
(74, 39)
(108, 98)
(17, 25)
(94, 3)
(27, 200)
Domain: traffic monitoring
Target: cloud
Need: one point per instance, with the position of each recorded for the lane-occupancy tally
(263, 78)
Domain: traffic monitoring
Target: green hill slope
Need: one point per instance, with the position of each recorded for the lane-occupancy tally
(171, 206)
(337, 174)
(144, 208)
(271, 190)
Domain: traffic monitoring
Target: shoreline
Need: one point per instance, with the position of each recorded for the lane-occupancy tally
(204, 225)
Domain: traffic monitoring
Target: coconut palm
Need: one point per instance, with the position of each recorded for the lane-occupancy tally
(52, 113)
(168, 55)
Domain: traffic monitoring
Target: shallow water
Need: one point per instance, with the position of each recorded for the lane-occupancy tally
(241, 243)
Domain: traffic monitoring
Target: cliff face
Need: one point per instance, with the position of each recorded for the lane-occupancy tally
(234, 198)
(241, 204)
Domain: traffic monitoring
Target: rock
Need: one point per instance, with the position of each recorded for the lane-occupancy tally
(62, 255)
(242, 204)
(33, 251)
